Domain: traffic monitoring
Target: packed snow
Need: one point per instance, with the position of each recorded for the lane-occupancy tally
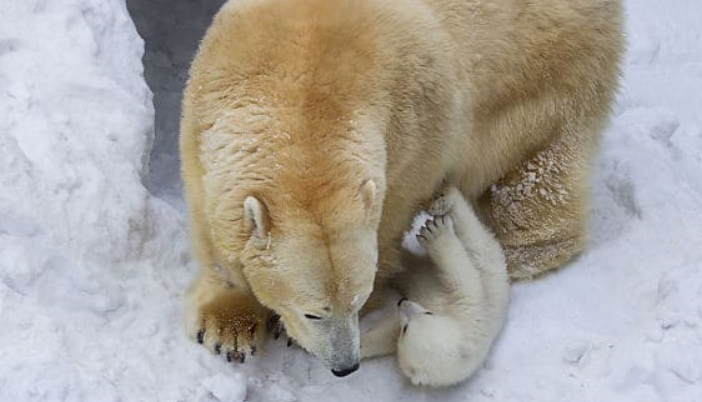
(94, 255)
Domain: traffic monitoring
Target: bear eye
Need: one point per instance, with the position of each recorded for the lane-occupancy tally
(313, 317)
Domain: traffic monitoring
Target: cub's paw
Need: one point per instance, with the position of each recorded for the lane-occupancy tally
(234, 325)
(434, 231)
(444, 200)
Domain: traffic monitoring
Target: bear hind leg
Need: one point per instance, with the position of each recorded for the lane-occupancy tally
(538, 211)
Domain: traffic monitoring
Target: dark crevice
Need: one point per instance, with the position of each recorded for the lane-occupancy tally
(172, 30)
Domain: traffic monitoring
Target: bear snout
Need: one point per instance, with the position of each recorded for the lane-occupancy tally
(345, 371)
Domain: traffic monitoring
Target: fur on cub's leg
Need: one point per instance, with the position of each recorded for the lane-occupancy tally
(452, 263)
(486, 253)
(453, 318)
(480, 243)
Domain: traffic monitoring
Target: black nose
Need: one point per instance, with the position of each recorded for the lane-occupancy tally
(346, 371)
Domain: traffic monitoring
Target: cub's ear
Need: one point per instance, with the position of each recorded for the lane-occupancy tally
(367, 192)
(256, 221)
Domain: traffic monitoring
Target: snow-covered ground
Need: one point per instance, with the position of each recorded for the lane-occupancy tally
(93, 264)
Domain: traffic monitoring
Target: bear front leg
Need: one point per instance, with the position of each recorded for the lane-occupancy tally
(227, 319)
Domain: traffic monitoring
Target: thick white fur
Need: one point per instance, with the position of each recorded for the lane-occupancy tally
(456, 307)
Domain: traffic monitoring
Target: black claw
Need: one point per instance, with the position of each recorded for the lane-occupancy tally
(272, 322)
(229, 356)
(278, 330)
(400, 301)
(252, 330)
(200, 336)
(242, 359)
(253, 350)
(289, 342)
(218, 349)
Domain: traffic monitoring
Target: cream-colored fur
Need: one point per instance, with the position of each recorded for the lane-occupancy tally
(455, 305)
(338, 119)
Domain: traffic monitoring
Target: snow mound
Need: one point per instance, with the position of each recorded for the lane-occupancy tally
(91, 264)
(94, 255)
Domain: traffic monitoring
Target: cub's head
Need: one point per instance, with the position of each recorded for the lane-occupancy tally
(431, 347)
(312, 259)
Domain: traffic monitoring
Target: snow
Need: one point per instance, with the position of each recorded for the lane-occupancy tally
(226, 388)
(94, 255)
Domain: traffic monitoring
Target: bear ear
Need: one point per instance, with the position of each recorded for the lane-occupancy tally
(255, 217)
(367, 192)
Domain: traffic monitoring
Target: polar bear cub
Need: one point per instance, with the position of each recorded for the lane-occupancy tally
(454, 309)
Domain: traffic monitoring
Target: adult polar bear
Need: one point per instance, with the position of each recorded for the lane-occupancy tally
(314, 130)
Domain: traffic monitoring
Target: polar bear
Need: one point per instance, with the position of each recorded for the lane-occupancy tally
(314, 130)
(454, 308)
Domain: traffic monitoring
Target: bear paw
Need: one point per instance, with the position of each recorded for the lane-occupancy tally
(434, 230)
(234, 324)
(444, 200)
